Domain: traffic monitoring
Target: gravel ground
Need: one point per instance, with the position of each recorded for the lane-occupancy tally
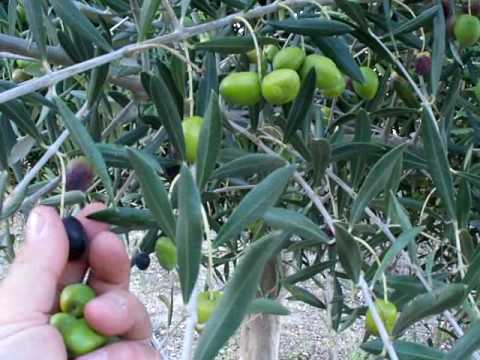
(304, 334)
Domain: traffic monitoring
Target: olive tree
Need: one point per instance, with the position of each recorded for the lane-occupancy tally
(268, 145)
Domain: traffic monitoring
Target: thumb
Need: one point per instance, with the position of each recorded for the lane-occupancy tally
(30, 286)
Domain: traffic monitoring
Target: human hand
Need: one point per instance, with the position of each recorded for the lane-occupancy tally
(29, 294)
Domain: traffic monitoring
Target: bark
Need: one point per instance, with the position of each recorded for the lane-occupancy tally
(260, 334)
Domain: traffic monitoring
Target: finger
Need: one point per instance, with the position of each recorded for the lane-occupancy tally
(125, 350)
(75, 270)
(109, 263)
(119, 313)
(30, 287)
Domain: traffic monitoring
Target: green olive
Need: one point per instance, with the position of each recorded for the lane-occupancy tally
(368, 89)
(328, 75)
(81, 339)
(270, 51)
(63, 322)
(206, 304)
(74, 298)
(241, 88)
(404, 91)
(20, 76)
(467, 30)
(388, 315)
(192, 127)
(280, 86)
(337, 90)
(289, 58)
(166, 253)
(252, 56)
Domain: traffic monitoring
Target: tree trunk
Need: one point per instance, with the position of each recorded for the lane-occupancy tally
(260, 334)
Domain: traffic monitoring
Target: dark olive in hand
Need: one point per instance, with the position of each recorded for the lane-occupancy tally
(77, 238)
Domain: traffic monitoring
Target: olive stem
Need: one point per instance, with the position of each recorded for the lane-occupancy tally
(191, 100)
(255, 42)
(378, 320)
(209, 237)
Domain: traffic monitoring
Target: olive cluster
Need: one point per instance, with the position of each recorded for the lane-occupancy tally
(78, 335)
(165, 251)
(282, 84)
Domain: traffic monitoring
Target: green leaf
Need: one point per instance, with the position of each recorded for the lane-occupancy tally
(209, 142)
(184, 4)
(238, 296)
(34, 12)
(337, 49)
(12, 16)
(402, 241)
(438, 50)
(17, 112)
(255, 203)
(295, 222)
(147, 14)
(376, 181)
(267, 306)
(86, 144)
(70, 15)
(302, 105)
(421, 20)
(348, 252)
(405, 350)
(124, 217)
(312, 27)
(189, 233)
(354, 11)
(208, 84)
(320, 149)
(168, 112)
(248, 165)
(98, 78)
(428, 304)
(233, 44)
(153, 190)
(436, 156)
(301, 294)
(308, 272)
(69, 198)
(466, 345)
(472, 277)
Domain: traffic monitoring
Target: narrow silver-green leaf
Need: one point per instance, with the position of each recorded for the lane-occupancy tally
(189, 233)
(147, 14)
(267, 306)
(249, 165)
(321, 152)
(209, 141)
(438, 49)
(16, 111)
(255, 203)
(295, 222)
(12, 16)
(312, 27)
(125, 217)
(466, 345)
(405, 350)
(375, 181)
(238, 296)
(86, 144)
(348, 252)
(436, 157)
(35, 16)
(74, 18)
(402, 241)
(154, 192)
(428, 304)
(168, 112)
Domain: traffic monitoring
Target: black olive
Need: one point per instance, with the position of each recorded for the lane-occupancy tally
(141, 261)
(77, 238)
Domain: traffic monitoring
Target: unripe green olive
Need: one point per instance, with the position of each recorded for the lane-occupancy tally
(289, 58)
(368, 89)
(62, 322)
(467, 30)
(20, 76)
(280, 86)
(388, 315)
(328, 75)
(404, 91)
(192, 127)
(81, 339)
(74, 298)
(206, 304)
(337, 90)
(166, 253)
(241, 88)
(270, 51)
(252, 56)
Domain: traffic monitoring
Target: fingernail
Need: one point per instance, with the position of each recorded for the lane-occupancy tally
(97, 355)
(35, 226)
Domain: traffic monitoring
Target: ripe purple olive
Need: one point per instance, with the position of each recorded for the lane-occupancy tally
(423, 63)
(141, 261)
(79, 175)
(77, 238)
